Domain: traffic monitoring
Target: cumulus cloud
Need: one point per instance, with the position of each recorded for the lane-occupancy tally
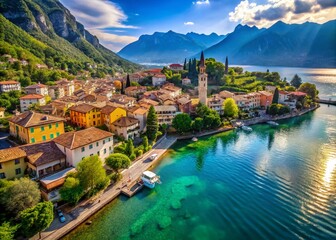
(290, 11)
(202, 2)
(189, 23)
(97, 13)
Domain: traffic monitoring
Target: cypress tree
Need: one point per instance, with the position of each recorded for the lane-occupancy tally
(276, 96)
(152, 124)
(185, 64)
(122, 90)
(226, 65)
(128, 81)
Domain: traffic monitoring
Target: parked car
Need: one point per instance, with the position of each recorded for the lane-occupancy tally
(60, 216)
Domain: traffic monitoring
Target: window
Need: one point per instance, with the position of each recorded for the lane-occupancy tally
(51, 136)
(56, 124)
(97, 144)
(57, 134)
(91, 154)
(33, 140)
(50, 126)
(0, 166)
(90, 146)
(94, 122)
(31, 130)
(44, 138)
(2, 175)
(104, 150)
(83, 149)
(103, 141)
(98, 153)
(110, 148)
(42, 129)
(18, 171)
(109, 139)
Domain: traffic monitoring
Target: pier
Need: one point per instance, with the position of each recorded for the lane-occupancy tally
(328, 102)
(131, 191)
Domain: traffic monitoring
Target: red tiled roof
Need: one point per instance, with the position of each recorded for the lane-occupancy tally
(39, 85)
(175, 65)
(8, 82)
(299, 94)
(32, 96)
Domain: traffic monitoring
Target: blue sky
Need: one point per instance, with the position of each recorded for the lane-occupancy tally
(119, 22)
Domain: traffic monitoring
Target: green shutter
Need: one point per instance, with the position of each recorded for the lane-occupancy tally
(31, 130)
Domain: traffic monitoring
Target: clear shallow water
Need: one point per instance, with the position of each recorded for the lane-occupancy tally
(323, 78)
(273, 183)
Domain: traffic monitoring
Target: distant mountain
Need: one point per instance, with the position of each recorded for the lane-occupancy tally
(54, 34)
(167, 47)
(300, 45)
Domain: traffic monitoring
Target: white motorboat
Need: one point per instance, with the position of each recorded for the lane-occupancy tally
(149, 179)
(194, 139)
(246, 128)
(273, 123)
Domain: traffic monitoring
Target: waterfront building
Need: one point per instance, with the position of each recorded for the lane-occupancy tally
(40, 89)
(84, 143)
(202, 81)
(30, 99)
(85, 115)
(126, 127)
(266, 98)
(7, 86)
(158, 79)
(111, 114)
(33, 127)
(12, 163)
(216, 103)
(166, 113)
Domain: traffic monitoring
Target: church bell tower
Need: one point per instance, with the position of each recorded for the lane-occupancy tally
(202, 81)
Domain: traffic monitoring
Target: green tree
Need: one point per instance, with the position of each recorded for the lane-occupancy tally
(145, 143)
(276, 96)
(7, 231)
(182, 123)
(202, 110)
(226, 65)
(37, 218)
(215, 70)
(152, 124)
(128, 81)
(230, 108)
(310, 89)
(296, 81)
(72, 190)
(185, 64)
(198, 124)
(129, 150)
(92, 175)
(5, 103)
(22, 194)
(118, 161)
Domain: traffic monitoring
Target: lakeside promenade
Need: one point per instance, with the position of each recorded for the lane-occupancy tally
(89, 207)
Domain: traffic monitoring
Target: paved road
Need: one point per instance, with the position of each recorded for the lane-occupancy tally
(87, 208)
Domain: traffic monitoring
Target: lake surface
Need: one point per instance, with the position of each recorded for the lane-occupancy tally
(323, 78)
(272, 183)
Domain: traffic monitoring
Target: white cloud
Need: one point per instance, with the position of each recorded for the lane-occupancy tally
(189, 23)
(201, 2)
(97, 13)
(289, 11)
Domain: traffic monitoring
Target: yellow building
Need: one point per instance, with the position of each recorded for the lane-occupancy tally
(32, 127)
(111, 114)
(12, 163)
(85, 115)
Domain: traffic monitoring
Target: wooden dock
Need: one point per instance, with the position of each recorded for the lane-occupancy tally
(129, 192)
(323, 101)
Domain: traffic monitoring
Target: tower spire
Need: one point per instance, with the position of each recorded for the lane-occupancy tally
(202, 62)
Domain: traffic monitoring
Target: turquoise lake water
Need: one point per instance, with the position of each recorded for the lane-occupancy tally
(272, 183)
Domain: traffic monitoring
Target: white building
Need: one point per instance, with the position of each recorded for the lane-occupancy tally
(216, 103)
(27, 100)
(37, 89)
(166, 113)
(139, 113)
(186, 81)
(7, 86)
(68, 86)
(84, 143)
(56, 92)
(126, 127)
(158, 79)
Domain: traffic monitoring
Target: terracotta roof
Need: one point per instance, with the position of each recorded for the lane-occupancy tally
(11, 154)
(83, 108)
(73, 140)
(299, 94)
(108, 109)
(42, 153)
(149, 101)
(183, 100)
(32, 96)
(30, 118)
(133, 88)
(39, 85)
(175, 65)
(8, 82)
(268, 94)
(160, 75)
(125, 122)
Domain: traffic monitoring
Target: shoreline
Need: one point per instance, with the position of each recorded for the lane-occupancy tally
(90, 207)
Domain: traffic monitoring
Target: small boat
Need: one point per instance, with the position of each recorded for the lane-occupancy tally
(194, 139)
(273, 123)
(246, 128)
(149, 179)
